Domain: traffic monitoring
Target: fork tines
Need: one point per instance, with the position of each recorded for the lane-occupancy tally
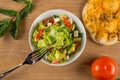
(38, 54)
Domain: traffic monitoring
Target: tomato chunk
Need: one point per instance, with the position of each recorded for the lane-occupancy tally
(67, 23)
(55, 61)
(39, 34)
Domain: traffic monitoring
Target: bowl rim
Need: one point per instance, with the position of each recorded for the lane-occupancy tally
(80, 25)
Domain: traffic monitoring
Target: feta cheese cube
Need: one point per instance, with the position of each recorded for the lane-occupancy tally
(56, 20)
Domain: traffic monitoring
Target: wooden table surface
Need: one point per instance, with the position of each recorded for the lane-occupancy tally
(13, 52)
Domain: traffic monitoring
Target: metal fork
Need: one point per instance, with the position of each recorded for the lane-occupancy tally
(31, 58)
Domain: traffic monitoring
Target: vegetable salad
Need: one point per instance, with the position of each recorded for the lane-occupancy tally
(60, 35)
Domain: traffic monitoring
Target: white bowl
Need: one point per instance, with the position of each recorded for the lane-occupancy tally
(81, 28)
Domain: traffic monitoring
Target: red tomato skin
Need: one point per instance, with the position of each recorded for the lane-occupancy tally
(67, 23)
(104, 68)
(39, 34)
(52, 20)
(77, 44)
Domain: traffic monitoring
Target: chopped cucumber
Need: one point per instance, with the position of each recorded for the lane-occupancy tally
(76, 39)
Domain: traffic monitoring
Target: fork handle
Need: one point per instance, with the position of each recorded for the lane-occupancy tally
(9, 71)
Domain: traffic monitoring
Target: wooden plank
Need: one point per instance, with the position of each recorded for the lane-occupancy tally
(13, 52)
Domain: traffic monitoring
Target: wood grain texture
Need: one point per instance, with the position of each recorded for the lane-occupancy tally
(13, 52)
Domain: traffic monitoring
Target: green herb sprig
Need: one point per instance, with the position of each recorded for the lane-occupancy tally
(8, 12)
(10, 25)
(4, 26)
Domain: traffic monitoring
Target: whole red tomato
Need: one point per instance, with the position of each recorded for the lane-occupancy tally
(104, 68)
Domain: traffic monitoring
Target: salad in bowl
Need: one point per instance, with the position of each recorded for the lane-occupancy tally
(61, 34)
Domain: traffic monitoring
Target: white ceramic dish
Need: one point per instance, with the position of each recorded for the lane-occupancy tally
(70, 15)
